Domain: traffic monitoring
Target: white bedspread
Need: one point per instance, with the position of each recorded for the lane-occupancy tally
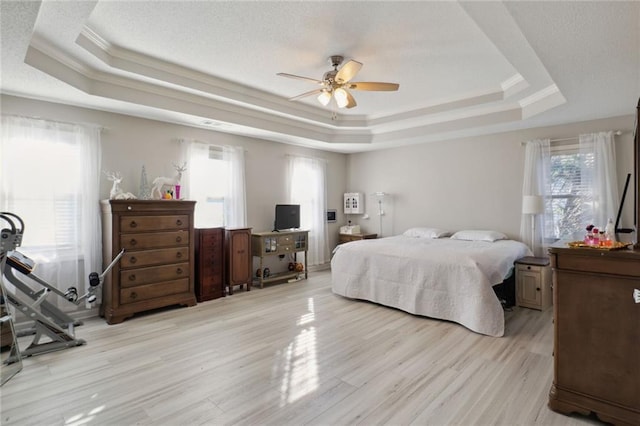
(439, 278)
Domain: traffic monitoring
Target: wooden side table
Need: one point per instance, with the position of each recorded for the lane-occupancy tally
(345, 238)
(533, 283)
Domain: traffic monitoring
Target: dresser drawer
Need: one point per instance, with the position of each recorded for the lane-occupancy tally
(135, 277)
(285, 239)
(211, 241)
(613, 265)
(286, 248)
(154, 240)
(153, 223)
(152, 291)
(139, 259)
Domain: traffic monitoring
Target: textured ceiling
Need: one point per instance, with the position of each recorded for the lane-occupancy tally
(464, 68)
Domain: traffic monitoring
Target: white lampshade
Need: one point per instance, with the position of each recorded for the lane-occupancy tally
(379, 195)
(532, 204)
(324, 97)
(341, 97)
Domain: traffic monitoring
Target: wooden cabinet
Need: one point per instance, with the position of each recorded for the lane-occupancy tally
(596, 333)
(353, 203)
(209, 267)
(157, 268)
(533, 283)
(238, 254)
(283, 243)
(345, 238)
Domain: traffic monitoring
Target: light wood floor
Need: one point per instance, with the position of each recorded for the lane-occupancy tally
(290, 354)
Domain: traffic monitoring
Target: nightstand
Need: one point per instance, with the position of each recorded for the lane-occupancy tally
(345, 238)
(533, 283)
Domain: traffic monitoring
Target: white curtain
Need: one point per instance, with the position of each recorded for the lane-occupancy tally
(50, 177)
(215, 179)
(536, 182)
(600, 176)
(235, 199)
(307, 187)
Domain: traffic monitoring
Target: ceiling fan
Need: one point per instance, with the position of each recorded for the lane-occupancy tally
(337, 83)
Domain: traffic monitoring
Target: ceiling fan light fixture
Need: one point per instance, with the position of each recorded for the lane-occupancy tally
(341, 97)
(335, 82)
(324, 97)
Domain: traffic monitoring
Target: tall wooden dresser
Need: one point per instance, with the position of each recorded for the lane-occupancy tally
(157, 269)
(596, 333)
(238, 257)
(209, 263)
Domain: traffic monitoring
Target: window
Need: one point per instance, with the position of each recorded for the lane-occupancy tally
(215, 180)
(571, 192)
(208, 183)
(46, 205)
(50, 178)
(307, 187)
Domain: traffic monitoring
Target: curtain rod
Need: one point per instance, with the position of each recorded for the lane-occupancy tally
(575, 138)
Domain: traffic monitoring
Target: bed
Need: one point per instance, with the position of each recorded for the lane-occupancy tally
(445, 278)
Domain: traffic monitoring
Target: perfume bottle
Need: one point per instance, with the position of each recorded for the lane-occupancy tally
(610, 232)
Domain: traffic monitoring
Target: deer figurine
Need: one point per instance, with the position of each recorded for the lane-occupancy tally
(160, 182)
(116, 192)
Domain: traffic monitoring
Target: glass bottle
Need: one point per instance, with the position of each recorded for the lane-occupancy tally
(610, 232)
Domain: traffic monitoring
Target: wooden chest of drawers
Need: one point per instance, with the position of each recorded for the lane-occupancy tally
(209, 263)
(596, 325)
(157, 268)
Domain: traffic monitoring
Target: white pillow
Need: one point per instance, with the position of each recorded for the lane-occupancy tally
(426, 233)
(476, 235)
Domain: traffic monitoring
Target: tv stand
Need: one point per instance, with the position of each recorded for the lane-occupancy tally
(279, 243)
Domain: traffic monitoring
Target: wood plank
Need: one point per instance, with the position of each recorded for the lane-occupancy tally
(291, 354)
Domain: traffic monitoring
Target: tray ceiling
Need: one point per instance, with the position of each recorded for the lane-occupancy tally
(463, 68)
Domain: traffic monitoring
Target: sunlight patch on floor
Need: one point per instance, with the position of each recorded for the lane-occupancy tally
(83, 419)
(300, 376)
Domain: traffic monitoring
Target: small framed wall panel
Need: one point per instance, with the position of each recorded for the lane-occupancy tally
(353, 203)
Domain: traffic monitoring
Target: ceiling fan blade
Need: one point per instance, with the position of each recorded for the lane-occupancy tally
(376, 86)
(312, 80)
(348, 71)
(304, 95)
(351, 101)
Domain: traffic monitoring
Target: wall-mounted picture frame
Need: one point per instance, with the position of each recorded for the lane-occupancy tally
(331, 215)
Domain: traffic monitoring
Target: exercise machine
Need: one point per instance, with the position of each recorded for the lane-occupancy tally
(48, 320)
(11, 358)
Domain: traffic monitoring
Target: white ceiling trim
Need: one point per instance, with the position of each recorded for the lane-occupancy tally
(192, 74)
(160, 84)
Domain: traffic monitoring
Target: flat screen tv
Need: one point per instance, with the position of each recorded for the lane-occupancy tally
(287, 217)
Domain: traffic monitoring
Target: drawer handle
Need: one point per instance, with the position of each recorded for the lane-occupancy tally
(179, 222)
(133, 295)
(179, 271)
(179, 254)
(528, 267)
(129, 207)
(537, 288)
(133, 224)
(132, 277)
(133, 259)
(240, 251)
(178, 239)
(133, 242)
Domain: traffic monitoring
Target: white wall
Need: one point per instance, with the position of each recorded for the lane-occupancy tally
(130, 142)
(467, 183)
